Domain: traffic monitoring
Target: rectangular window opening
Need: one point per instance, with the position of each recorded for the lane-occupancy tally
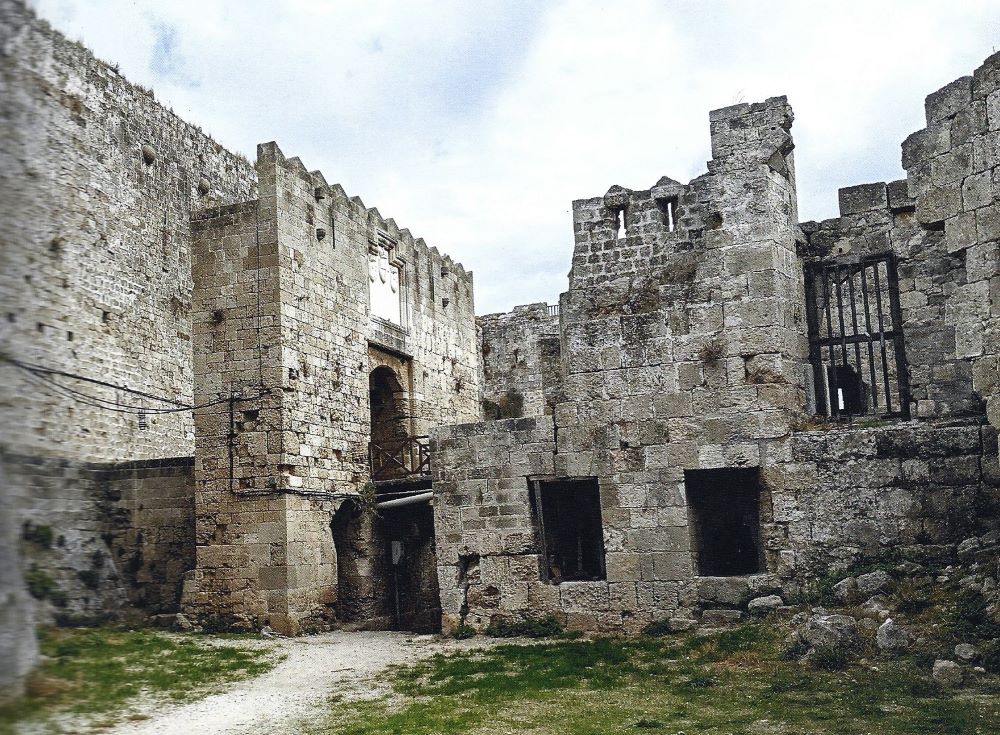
(724, 512)
(856, 338)
(567, 516)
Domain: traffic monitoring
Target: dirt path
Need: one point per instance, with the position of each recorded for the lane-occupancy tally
(315, 668)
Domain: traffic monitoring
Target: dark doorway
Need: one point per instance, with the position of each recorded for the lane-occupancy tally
(360, 586)
(724, 515)
(567, 517)
(390, 448)
(386, 567)
(413, 597)
(387, 402)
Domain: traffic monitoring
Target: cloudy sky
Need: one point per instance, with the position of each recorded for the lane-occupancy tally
(475, 124)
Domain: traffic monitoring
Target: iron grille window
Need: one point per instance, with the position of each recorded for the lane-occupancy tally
(856, 338)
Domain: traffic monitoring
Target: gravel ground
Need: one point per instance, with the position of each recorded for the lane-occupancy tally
(315, 667)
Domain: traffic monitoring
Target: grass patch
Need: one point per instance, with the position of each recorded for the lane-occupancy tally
(95, 674)
(530, 628)
(731, 682)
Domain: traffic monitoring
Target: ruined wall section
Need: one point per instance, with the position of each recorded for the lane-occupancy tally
(522, 370)
(953, 172)
(935, 479)
(941, 223)
(95, 255)
(99, 539)
(683, 345)
(916, 487)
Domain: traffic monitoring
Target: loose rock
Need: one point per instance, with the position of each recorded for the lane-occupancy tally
(892, 637)
(833, 631)
(760, 606)
(966, 653)
(948, 674)
(846, 590)
(874, 583)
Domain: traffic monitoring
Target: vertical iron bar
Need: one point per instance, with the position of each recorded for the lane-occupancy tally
(815, 350)
(881, 335)
(536, 489)
(840, 321)
(896, 312)
(854, 318)
(871, 346)
(831, 378)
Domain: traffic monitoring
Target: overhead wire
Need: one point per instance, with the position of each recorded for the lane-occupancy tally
(45, 378)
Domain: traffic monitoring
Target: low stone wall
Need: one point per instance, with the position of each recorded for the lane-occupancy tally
(149, 515)
(487, 551)
(97, 539)
(844, 495)
(851, 493)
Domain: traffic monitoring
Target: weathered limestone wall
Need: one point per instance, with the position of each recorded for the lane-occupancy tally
(18, 646)
(99, 538)
(683, 344)
(521, 361)
(851, 493)
(953, 171)
(95, 244)
(282, 322)
(684, 347)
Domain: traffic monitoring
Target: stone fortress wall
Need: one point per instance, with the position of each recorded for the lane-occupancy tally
(137, 251)
(109, 198)
(282, 309)
(686, 353)
(95, 268)
(97, 181)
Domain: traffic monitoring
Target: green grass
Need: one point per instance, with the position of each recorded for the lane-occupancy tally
(95, 674)
(730, 683)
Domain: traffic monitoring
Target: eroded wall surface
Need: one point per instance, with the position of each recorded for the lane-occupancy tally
(520, 361)
(685, 348)
(97, 539)
(283, 324)
(18, 645)
(95, 245)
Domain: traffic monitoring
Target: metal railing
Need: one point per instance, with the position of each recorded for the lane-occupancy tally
(404, 458)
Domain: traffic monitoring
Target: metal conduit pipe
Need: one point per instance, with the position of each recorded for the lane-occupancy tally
(424, 497)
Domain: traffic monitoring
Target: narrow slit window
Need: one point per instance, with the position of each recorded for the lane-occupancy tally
(668, 209)
(856, 338)
(567, 515)
(620, 233)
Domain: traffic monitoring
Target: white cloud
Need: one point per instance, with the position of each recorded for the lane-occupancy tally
(476, 124)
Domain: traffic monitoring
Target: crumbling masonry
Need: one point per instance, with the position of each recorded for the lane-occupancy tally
(233, 390)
